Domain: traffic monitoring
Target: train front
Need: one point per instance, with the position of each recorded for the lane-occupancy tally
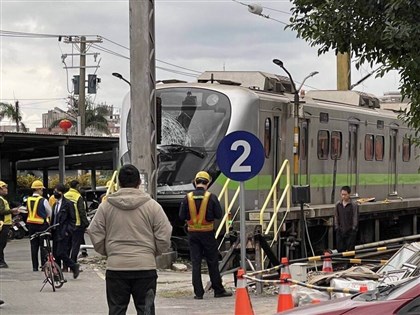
(192, 120)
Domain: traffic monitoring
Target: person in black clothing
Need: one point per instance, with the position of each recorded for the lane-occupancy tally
(64, 214)
(346, 221)
(199, 208)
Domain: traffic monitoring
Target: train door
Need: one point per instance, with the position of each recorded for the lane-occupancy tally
(392, 170)
(303, 153)
(271, 135)
(352, 167)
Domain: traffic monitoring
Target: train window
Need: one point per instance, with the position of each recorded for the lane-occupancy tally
(323, 118)
(369, 147)
(406, 150)
(336, 144)
(380, 124)
(323, 144)
(379, 148)
(267, 137)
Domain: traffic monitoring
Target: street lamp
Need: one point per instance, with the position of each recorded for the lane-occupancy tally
(119, 76)
(296, 127)
(296, 115)
(310, 75)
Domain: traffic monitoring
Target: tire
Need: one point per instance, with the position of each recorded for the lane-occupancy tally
(19, 234)
(11, 234)
(58, 276)
(49, 275)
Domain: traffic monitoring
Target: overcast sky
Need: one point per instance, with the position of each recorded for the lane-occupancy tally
(196, 35)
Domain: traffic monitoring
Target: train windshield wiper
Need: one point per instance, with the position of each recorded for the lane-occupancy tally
(166, 148)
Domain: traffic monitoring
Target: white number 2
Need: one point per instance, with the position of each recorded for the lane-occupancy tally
(237, 166)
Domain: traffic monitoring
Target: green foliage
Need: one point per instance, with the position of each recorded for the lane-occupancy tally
(11, 112)
(384, 32)
(25, 181)
(95, 116)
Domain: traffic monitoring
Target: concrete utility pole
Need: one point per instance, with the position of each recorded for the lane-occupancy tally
(82, 41)
(343, 71)
(82, 91)
(143, 85)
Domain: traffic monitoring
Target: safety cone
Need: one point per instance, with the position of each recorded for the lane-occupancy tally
(285, 300)
(243, 304)
(327, 264)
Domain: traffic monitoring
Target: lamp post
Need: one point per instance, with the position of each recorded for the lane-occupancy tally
(296, 125)
(296, 116)
(119, 76)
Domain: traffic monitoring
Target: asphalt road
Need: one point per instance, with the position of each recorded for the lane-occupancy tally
(20, 289)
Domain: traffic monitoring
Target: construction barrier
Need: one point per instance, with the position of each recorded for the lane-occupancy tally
(243, 304)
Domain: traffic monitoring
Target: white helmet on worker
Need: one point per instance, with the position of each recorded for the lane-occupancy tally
(37, 184)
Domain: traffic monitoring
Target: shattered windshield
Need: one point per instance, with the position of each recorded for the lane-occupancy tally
(193, 122)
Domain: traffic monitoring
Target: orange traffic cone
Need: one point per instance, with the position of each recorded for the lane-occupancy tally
(327, 264)
(285, 300)
(243, 304)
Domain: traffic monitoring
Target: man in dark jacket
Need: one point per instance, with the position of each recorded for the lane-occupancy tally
(63, 214)
(200, 208)
(346, 221)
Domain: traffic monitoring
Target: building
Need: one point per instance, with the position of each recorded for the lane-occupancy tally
(112, 116)
(394, 101)
(51, 116)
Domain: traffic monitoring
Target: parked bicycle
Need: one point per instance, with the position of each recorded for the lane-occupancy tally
(53, 273)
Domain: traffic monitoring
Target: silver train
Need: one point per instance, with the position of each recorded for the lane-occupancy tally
(344, 138)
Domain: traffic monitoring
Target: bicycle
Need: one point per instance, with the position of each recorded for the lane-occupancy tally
(52, 271)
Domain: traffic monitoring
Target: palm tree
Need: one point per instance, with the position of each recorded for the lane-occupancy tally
(95, 116)
(13, 113)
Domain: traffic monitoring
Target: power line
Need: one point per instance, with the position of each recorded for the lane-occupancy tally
(252, 7)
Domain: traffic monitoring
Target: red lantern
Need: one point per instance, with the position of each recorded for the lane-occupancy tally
(65, 124)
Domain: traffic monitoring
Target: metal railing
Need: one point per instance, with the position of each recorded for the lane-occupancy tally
(272, 196)
(226, 221)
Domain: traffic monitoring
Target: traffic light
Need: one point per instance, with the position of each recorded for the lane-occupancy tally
(92, 83)
(76, 79)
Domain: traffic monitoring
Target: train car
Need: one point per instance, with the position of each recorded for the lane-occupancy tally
(344, 138)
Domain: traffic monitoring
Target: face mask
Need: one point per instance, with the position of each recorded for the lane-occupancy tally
(57, 195)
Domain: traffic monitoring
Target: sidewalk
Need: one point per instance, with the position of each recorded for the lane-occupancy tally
(20, 287)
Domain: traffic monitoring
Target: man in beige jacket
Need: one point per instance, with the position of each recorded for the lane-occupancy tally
(130, 229)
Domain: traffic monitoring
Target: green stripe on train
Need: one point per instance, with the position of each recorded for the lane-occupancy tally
(323, 180)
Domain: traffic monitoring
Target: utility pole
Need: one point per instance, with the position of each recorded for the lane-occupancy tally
(143, 85)
(82, 44)
(343, 71)
(82, 92)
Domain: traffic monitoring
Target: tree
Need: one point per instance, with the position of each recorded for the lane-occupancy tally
(384, 32)
(95, 116)
(13, 113)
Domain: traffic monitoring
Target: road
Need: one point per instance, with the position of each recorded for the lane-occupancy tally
(20, 289)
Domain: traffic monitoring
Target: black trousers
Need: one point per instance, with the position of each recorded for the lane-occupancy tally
(204, 245)
(62, 253)
(3, 241)
(36, 244)
(346, 240)
(76, 240)
(121, 285)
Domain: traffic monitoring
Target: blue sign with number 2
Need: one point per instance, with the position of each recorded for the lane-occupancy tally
(240, 155)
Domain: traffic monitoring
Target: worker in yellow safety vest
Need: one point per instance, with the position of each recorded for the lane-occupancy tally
(39, 210)
(6, 218)
(82, 222)
(200, 208)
